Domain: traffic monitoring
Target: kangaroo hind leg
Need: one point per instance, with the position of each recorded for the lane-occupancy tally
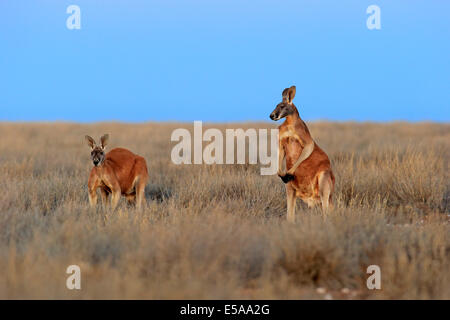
(131, 198)
(291, 202)
(141, 182)
(325, 189)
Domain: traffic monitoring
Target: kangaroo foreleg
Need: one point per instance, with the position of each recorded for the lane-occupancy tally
(116, 192)
(281, 156)
(306, 152)
(92, 197)
(104, 193)
(282, 172)
(92, 190)
(115, 199)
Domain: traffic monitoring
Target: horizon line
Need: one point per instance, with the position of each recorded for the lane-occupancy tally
(218, 122)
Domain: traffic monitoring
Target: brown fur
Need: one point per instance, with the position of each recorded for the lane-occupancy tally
(313, 179)
(120, 173)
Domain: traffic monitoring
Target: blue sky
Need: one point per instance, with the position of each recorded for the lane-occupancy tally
(223, 60)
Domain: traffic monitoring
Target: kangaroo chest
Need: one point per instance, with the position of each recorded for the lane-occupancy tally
(288, 134)
(291, 142)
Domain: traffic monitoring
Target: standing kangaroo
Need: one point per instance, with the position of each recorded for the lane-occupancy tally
(119, 172)
(309, 175)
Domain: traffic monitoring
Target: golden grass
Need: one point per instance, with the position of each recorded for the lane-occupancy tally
(219, 231)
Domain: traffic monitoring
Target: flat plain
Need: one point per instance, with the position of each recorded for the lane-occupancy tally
(220, 231)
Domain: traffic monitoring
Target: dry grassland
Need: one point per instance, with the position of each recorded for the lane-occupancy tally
(219, 231)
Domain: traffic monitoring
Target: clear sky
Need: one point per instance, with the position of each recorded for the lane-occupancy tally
(223, 60)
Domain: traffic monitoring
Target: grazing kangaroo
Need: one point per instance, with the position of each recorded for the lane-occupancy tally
(119, 172)
(309, 175)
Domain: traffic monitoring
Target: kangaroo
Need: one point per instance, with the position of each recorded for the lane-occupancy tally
(309, 175)
(119, 172)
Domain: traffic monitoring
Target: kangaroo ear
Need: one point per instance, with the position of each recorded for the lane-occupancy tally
(90, 141)
(291, 94)
(285, 94)
(104, 140)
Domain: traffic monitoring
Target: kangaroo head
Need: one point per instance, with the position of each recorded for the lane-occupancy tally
(285, 107)
(97, 152)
